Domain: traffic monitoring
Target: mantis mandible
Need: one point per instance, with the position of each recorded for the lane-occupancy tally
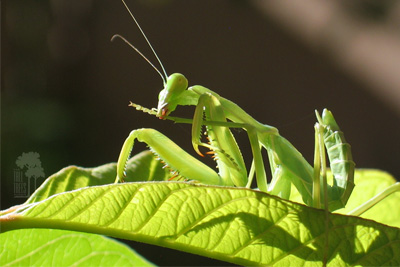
(218, 115)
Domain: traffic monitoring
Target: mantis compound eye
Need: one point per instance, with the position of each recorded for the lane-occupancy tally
(176, 84)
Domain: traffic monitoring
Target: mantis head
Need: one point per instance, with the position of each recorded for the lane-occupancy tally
(168, 99)
(174, 85)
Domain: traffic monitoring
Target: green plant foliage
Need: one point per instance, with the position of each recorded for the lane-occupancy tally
(142, 167)
(370, 182)
(237, 225)
(50, 247)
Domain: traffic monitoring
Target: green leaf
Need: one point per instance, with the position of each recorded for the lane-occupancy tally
(237, 225)
(142, 167)
(233, 224)
(370, 182)
(64, 248)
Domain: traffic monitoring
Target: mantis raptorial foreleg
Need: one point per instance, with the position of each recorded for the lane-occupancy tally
(222, 138)
(229, 160)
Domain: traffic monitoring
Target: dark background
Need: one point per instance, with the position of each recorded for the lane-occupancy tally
(65, 87)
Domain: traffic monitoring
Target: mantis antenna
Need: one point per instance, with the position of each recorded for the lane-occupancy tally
(165, 77)
(140, 53)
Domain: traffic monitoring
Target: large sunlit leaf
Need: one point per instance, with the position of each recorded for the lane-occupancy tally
(232, 224)
(50, 247)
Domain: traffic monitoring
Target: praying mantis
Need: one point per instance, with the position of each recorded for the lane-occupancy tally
(218, 115)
